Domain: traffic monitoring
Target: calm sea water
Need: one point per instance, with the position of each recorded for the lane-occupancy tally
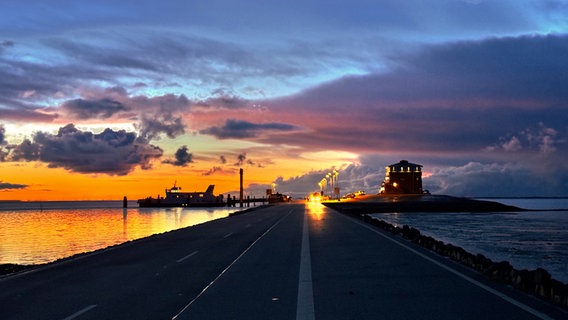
(39, 232)
(527, 240)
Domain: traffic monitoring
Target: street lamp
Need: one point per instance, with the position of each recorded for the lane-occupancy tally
(336, 178)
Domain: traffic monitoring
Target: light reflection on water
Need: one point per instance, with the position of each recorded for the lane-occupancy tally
(39, 236)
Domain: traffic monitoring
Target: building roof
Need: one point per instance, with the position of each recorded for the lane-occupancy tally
(404, 163)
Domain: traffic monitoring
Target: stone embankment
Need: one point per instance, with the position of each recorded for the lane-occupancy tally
(537, 282)
(9, 268)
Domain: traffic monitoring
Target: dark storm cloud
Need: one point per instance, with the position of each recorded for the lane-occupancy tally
(524, 68)
(182, 157)
(236, 129)
(528, 67)
(7, 185)
(451, 97)
(110, 152)
(92, 109)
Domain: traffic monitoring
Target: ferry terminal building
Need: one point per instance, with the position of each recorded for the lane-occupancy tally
(402, 178)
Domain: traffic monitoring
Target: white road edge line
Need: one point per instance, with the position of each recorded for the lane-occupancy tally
(229, 266)
(501, 295)
(80, 312)
(305, 307)
(187, 257)
(228, 235)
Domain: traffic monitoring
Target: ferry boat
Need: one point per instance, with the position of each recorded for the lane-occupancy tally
(176, 198)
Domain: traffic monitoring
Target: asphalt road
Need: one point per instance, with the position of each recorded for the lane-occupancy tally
(291, 261)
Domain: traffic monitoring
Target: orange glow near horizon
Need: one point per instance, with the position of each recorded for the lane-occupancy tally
(52, 184)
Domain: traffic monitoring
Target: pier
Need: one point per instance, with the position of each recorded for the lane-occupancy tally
(246, 201)
(287, 261)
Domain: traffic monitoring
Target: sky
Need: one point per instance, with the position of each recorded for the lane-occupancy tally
(105, 99)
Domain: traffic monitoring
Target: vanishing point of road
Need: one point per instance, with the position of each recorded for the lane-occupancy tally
(290, 261)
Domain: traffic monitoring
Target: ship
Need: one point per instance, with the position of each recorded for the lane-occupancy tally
(176, 198)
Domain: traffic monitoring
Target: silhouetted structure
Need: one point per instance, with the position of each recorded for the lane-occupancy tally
(176, 198)
(276, 197)
(402, 178)
(241, 187)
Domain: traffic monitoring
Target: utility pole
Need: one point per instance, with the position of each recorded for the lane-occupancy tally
(241, 195)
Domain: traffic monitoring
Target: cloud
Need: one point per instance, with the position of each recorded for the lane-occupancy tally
(222, 99)
(240, 129)
(222, 159)
(24, 113)
(472, 179)
(7, 43)
(455, 97)
(182, 157)
(3, 143)
(382, 78)
(109, 152)
(7, 185)
(92, 109)
(351, 177)
(241, 159)
(543, 139)
(514, 144)
(213, 171)
(494, 179)
(151, 127)
(2, 134)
